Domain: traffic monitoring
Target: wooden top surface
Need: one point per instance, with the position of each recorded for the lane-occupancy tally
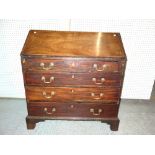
(73, 44)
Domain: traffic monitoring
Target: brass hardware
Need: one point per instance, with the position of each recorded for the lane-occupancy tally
(103, 67)
(73, 64)
(44, 80)
(102, 80)
(23, 61)
(72, 106)
(99, 70)
(96, 114)
(123, 67)
(73, 76)
(48, 96)
(97, 98)
(72, 91)
(53, 110)
(114, 35)
(51, 65)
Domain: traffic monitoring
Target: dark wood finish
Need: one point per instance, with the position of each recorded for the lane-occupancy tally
(114, 123)
(69, 94)
(74, 65)
(79, 110)
(73, 79)
(73, 44)
(73, 76)
(31, 123)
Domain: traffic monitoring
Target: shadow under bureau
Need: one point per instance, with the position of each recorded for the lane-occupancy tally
(73, 76)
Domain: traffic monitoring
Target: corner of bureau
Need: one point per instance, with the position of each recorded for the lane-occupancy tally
(73, 76)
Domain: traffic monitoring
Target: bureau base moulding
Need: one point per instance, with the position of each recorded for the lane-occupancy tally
(32, 120)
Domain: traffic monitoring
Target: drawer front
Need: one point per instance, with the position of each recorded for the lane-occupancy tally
(73, 110)
(64, 94)
(70, 65)
(70, 79)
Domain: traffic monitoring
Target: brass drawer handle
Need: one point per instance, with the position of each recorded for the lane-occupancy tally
(96, 114)
(73, 64)
(23, 60)
(99, 70)
(102, 80)
(51, 65)
(48, 96)
(71, 106)
(49, 113)
(72, 90)
(97, 98)
(44, 79)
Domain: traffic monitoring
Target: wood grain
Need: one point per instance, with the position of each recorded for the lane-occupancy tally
(72, 79)
(73, 76)
(73, 44)
(66, 94)
(73, 110)
(69, 65)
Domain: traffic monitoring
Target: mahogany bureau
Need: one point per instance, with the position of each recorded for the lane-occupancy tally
(73, 76)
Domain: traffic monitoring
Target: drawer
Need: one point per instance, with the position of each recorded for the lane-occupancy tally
(70, 65)
(61, 94)
(70, 79)
(72, 110)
